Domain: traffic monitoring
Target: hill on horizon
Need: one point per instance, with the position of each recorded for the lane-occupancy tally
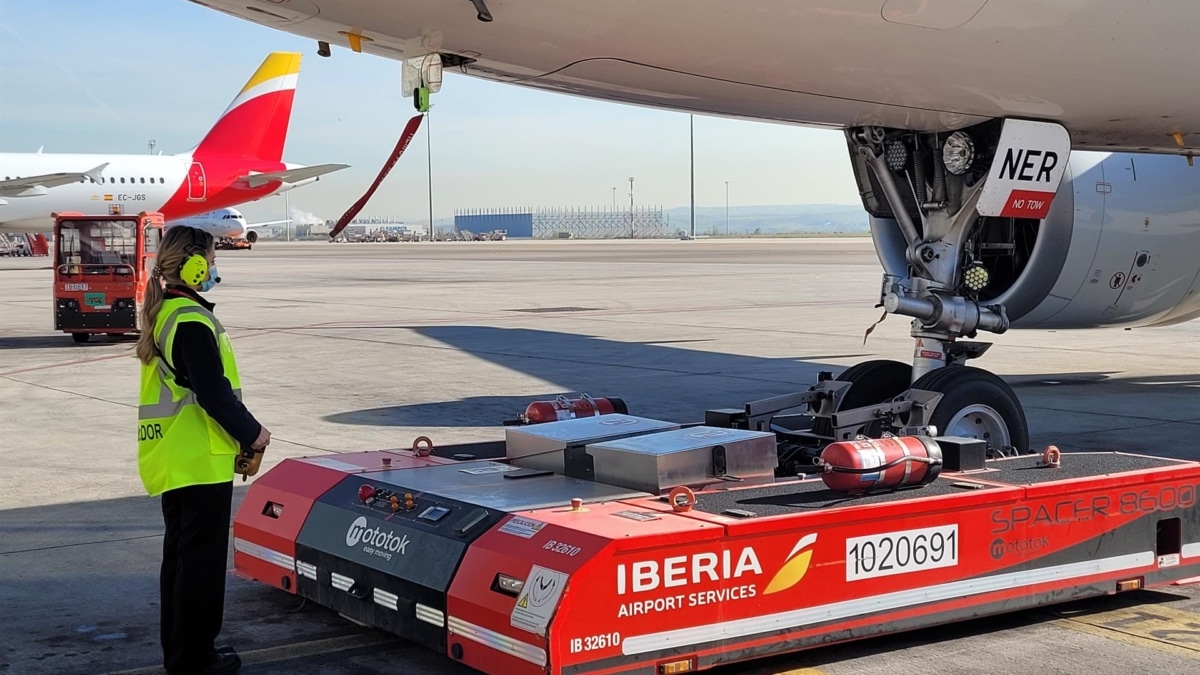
(772, 219)
(710, 220)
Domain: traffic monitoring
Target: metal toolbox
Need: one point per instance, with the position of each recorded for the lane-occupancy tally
(694, 456)
(559, 446)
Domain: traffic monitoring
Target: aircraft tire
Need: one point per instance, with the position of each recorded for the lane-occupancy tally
(871, 382)
(977, 404)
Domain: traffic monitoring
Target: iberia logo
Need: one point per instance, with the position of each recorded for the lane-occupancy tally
(794, 568)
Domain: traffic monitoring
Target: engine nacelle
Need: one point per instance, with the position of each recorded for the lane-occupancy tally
(1120, 247)
(251, 236)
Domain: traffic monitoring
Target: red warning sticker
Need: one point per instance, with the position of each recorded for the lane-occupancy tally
(1027, 204)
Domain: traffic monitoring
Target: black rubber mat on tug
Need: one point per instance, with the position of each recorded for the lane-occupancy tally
(777, 500)
(1025, 470)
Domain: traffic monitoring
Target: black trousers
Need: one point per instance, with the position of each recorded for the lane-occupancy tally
(192, 580)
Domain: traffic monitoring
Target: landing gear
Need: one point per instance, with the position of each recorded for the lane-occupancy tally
(946, 210)
(942, 204)
(231, 244)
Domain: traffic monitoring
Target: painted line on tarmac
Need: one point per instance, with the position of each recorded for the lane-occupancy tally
(69, 393)
(1163, 628)
(129, 353)
(771, 670)
(60, 364)
(78, 543)
(749, 669)
(288, 652)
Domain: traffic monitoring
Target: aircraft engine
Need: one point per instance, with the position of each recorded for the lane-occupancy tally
(251, 236)
(1119, 248)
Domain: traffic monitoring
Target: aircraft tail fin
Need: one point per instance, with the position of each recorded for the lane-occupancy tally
(255, 125)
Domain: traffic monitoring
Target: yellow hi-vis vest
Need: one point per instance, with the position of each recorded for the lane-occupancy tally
(178, 443)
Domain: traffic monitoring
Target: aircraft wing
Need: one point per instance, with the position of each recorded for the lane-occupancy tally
(32, 186)
(290, 175)
(268, 222)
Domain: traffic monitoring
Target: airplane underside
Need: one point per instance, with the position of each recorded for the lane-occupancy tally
(985, 138)
(923, 66)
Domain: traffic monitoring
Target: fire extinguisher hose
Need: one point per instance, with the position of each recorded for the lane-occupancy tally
(873, 469)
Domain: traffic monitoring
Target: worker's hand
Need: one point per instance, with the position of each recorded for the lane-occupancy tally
(264, 439)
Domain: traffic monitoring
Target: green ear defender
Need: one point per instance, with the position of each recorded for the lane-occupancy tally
(194, 270)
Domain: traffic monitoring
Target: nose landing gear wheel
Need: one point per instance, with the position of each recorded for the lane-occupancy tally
(871, 382)
(977, 404)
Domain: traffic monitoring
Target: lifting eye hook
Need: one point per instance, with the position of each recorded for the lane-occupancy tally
(1052, 457)
(689, 499)
(420, 451)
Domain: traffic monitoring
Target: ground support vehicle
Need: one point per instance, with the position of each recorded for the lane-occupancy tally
(101, 266)
(611, 543)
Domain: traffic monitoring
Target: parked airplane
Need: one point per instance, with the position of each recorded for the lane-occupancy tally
(1022, 161)
(227, 223)
(238, 161)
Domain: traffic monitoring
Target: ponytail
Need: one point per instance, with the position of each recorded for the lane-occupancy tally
(150, 306)
(177, 244)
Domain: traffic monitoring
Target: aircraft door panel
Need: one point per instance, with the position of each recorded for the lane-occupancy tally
(197, 188)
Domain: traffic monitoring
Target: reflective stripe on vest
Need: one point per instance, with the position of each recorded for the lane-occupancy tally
(167, 406)
(178, 443)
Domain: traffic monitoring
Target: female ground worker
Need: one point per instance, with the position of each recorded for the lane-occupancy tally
(191, 427)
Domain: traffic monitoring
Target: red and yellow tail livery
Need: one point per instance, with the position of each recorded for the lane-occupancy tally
(256, 122)
(239, 160)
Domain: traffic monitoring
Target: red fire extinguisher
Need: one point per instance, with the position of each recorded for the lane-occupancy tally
(563, 408)
(867, 464)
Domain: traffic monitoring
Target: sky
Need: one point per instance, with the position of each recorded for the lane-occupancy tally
(85, 76)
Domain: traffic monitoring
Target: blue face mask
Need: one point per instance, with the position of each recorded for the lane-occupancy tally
(212, 280)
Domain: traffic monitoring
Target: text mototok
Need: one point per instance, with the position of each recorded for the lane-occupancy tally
(376, 541)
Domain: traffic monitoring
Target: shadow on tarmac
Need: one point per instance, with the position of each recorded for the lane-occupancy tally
(689, 380)
(79, 592)
(60, 341)
(678, 384)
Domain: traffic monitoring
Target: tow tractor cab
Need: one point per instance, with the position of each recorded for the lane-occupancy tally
(101, 266)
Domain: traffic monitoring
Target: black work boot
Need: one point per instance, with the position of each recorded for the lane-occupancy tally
(226, 663)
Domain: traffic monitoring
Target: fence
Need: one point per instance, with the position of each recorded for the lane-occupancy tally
(647, 222)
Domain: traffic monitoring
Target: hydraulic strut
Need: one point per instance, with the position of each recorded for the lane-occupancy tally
(951, 313)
